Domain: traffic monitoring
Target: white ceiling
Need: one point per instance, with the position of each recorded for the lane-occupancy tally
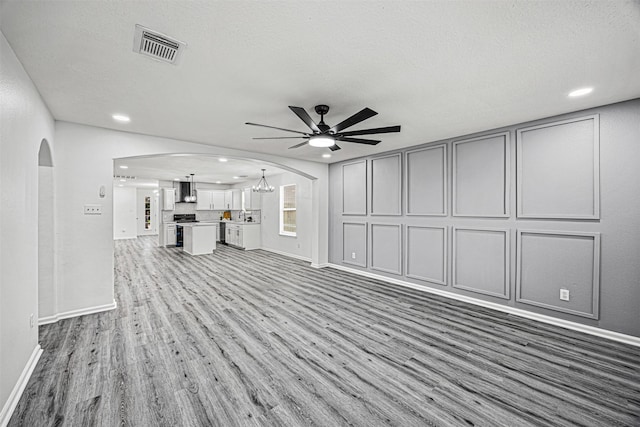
(205, 169)
(438, 68)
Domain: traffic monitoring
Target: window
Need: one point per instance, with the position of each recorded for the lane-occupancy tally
(288, 210)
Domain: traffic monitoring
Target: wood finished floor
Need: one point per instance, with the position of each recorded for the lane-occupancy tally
(253, 339)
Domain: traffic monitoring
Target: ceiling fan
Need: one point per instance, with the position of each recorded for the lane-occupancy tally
(322, 135)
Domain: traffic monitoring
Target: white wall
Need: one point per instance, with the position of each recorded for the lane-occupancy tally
(300, 245)
(46, 243)
(85, 243)
(124, 213)
(25, 122)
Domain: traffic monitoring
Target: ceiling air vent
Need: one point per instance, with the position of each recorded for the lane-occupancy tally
(157, 45)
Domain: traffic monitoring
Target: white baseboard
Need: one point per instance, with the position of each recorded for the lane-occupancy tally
(275, 251)
(75, 313)
(323, 265)
(18, 389)
(567, 324)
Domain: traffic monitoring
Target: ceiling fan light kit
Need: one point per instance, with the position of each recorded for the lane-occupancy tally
(322, 135)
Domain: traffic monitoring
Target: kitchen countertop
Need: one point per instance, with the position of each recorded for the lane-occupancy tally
(198, 224)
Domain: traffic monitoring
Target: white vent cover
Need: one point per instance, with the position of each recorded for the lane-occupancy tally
(157, 45)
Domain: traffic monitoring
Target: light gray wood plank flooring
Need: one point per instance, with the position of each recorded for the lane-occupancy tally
(253, 339)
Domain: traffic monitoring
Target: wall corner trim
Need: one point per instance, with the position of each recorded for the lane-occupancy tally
(18, 389)
(75, 313)
(567, 324)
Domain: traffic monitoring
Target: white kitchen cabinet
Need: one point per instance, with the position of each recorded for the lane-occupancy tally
(251, 200)
(244, 236)
(233, 199)
(169, 234)
(204, 200)
(218, 200)
(210, 200)
(168, 199)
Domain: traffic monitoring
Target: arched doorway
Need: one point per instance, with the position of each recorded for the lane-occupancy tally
(47, 295)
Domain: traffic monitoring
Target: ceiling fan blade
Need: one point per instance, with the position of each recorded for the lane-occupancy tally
(388, 129)
(360, 140)
(305, 117)
(355, 119)
(334, 147)
(283, 137)
(298, 145)
(273, 127)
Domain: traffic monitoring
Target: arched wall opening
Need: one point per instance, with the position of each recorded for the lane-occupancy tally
(47, 294)
(164, 167)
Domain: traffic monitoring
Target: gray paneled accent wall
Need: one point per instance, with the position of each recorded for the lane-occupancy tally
(426, 178)
(470, 215)
(354, 188)
(386, 248)
(481, 260)
(559, 169)
(549, 261)
(481, 176)
(354, 243)
(426, 254)
(386, 185)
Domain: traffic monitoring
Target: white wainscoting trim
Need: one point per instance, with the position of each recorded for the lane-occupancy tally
(567, 324)
(287, 254)
(76, 313)
(18, 389)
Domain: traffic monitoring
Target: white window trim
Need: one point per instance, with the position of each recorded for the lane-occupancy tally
(281, 209)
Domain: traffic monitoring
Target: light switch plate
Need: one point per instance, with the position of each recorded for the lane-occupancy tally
(93, 209)
(564, 294)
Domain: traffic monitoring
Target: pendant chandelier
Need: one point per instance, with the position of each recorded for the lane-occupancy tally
(192, 195)
(263, 186)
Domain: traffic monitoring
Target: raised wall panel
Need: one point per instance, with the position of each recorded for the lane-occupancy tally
(558, 170)
(386, 185)
(426, 178)
(481, 176)
(481, 261)
(548, 261)
(426, 254)
(354, 188)
(354, 241)
(386, 248)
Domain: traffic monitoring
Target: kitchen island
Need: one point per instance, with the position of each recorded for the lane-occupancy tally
(199, 238)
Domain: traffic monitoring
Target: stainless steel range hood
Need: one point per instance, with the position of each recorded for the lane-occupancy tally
(183, 189)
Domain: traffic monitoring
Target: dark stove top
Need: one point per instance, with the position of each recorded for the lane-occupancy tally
(184, 218)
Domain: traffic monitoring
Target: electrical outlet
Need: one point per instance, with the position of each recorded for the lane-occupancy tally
(353, 255)
(31, 322)
(564, 294)
(93, 209)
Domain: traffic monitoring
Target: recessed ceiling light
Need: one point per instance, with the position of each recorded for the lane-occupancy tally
(581, 92)
(121, 118)
(124, 167)
(222, 159)
(120, 185)
(326, 155)
(123, 180)
(176, 179)
(236, 177)
(218, 182)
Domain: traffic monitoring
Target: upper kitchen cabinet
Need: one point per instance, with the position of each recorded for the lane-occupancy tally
(204, 200)
(251, 201)
(233, 199)
(168, 199)
(209, 200)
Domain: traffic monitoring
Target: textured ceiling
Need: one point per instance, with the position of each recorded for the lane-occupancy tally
(438, 68)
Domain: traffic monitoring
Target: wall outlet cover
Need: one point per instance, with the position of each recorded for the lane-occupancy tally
(564, 294)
